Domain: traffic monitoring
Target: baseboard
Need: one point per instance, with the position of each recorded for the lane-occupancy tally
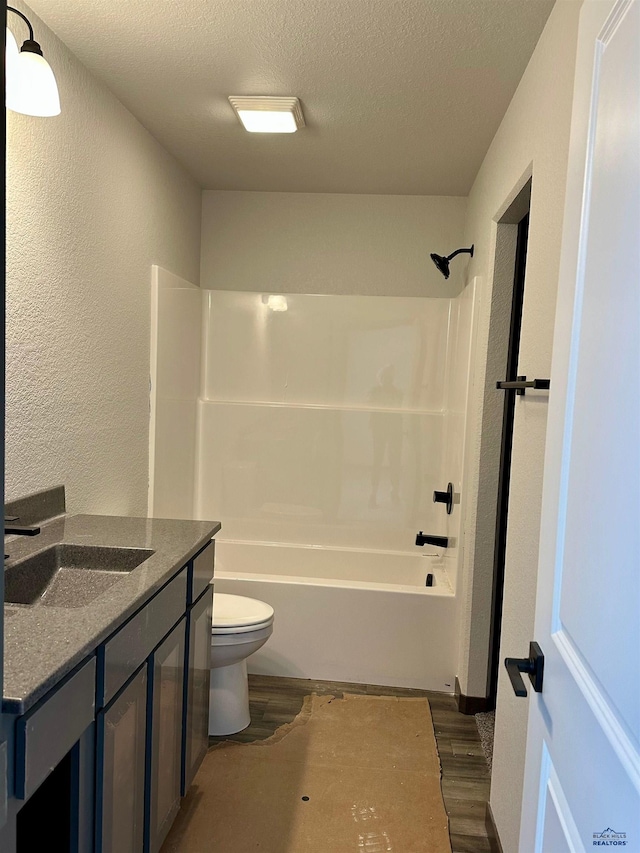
(470, 704)
(492, 831)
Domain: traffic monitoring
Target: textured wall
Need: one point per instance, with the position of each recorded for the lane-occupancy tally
(532, 139)
(370, 245)
(93, 201)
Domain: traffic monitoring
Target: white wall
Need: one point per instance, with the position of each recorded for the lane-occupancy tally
(371, 245)
(532, 139)
(92, 202)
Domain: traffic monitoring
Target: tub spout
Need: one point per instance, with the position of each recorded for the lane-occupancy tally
(426, 539)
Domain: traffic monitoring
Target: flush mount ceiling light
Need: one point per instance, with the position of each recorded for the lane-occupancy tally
(31, 84)
(264, 114)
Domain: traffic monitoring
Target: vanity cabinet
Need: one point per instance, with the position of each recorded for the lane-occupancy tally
(120, 783)
(68, 713)
(153, 730)
(124, 651)
(196, 730)
(53, 770)
(123, 735)
(166, 734)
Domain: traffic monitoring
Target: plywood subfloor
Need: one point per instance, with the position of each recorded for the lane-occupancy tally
(465, 777)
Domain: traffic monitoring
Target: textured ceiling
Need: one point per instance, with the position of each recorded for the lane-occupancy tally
(399, 96)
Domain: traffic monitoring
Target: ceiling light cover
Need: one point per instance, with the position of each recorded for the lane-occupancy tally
(264, 114)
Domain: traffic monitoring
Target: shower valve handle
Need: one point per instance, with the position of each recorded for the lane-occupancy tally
(445, 498)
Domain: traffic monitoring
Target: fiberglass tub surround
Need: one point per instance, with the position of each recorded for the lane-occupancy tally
(325, 425)
(322, 426)
(322, 433)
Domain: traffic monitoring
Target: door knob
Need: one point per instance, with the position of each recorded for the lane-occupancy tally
(533, 666)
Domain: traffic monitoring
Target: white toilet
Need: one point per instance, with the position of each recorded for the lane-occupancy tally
(240, 627)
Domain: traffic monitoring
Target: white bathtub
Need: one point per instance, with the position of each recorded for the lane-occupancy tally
(347, 615)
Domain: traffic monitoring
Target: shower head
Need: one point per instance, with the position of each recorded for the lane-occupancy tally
(443, 263)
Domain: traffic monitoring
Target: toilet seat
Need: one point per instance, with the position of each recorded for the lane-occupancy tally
(237, 614)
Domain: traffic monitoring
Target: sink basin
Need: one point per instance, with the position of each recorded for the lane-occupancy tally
(69, 575)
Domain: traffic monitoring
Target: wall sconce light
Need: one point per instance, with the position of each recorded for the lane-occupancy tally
(31, 84)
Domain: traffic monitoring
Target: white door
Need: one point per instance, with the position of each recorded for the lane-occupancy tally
(582, 774)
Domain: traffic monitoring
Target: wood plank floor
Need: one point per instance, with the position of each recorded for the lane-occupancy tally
(465, 776)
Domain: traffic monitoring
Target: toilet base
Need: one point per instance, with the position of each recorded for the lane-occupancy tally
(229, 699)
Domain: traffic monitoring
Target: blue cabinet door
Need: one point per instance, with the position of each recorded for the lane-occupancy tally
(166, 734)
(120, 770)
(196, 739)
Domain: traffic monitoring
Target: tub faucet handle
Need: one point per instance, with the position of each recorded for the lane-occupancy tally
(427, 539)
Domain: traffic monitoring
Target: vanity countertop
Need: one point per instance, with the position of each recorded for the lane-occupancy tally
(44, 643)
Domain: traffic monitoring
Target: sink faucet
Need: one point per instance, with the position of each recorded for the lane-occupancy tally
(10, 528)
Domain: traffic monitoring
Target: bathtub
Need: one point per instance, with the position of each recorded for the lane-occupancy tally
(347, 615)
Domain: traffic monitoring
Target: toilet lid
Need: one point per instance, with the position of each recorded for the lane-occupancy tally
(236, 611)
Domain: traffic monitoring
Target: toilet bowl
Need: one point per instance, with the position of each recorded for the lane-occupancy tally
(240, 627)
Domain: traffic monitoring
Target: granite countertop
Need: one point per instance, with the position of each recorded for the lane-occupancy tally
(43, 643)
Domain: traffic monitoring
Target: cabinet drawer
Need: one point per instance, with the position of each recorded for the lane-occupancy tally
(46, 733)
(201, 572)
(123, 653)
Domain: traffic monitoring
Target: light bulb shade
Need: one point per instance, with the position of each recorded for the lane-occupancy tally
(36, 91)
(11, 47)
(11, 63)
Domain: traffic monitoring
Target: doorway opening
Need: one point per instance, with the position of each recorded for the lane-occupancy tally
(506, 443)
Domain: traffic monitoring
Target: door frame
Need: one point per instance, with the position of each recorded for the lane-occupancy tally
(481, 546)
(508, 420)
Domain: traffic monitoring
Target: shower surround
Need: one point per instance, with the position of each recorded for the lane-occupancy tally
(323, 424)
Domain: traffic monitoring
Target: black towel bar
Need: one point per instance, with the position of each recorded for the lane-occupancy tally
(521, 383)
